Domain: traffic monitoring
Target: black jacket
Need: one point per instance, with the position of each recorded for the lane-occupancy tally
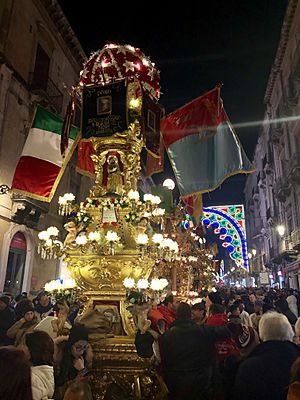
(7, 319)
(265, 373)
(189, 359)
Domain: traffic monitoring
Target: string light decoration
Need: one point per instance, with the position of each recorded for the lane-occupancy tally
(192, 269)
(115, 62)
(229, 223)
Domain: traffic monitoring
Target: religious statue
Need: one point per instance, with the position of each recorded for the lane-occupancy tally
(114, 175)
(73, 230)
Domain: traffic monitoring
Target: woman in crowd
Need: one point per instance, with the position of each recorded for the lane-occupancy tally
(15, 375)
(74, 359)
(40, 350)
(25, 324)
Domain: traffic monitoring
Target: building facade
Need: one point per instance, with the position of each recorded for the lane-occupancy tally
(40, 60)
(272, 193)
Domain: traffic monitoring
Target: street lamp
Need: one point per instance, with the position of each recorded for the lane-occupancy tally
(169, 184)
(281, 230)
(254, 252)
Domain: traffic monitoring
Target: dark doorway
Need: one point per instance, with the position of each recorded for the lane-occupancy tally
(15, 265)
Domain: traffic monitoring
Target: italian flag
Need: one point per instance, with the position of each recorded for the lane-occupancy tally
(41, 164)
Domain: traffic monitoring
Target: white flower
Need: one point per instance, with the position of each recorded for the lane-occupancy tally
(62, 201)
(69, 197)
(142, 239)
(43, 235)
(163, 283)
(81, 240)
(129, 283)
(94, 236)
(148, 197)
(157, 238)
(52, 231)
(133, 195)
(143, 284)
(155, 284)
(112, 236)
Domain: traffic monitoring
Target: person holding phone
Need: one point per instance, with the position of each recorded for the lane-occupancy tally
(73, 359)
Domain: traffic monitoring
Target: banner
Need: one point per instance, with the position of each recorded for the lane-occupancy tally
(103, 110)
(41, 164)
(202, 145)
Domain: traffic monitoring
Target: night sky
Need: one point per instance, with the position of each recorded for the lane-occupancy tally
(195, 48)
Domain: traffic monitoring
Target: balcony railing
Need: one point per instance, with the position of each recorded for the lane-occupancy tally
(294, 169)
(48, 90)
(282, 189)
(295, 237)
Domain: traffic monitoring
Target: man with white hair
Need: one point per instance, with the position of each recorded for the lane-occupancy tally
(265, 373)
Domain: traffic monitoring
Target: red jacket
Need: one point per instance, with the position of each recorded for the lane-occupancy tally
(169, 315)
(226, 347)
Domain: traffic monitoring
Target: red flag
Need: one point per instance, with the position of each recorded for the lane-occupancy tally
(194, 206)
(202, 145)
(85, 164)
(154, 165)
(200, 115)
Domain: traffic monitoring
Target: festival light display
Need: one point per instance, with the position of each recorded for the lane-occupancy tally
(229, 223)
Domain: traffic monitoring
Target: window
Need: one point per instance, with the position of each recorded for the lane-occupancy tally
(15, 265)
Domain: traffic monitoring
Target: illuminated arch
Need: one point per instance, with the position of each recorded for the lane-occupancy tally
(229, 223)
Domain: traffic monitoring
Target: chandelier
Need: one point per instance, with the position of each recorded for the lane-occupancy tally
(89, 232)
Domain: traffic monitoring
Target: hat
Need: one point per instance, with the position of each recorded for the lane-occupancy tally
(23, 307)
(215, 298)
(4, 299)
(78, 332)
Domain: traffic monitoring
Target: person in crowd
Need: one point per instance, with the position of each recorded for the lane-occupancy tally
(43, 305)
(168, 309)
(73, 359)
(218, 317)
(199, 313)
(281, 306)
(24, 325)
(15, 381)
(229, 301)
(7, 319)
(249, 303)
(40, 348)
(188, 356)
(234, 313)
(297, 331)
(294, 386)
(213, 298)
(258, 312)
(246, 339)
(244, 316)
(78, 391)
(292, 302)
(265, 373)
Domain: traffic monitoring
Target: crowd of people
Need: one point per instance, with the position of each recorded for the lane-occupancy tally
(44, 353)
(231, 344)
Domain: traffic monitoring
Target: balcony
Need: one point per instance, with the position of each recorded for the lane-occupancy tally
(28, 212)
(261, 180)
(47, 91)
(295, 237)
(294, 169)
(256, 194)
(269, 216)
(276, 132)
(282, 189)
